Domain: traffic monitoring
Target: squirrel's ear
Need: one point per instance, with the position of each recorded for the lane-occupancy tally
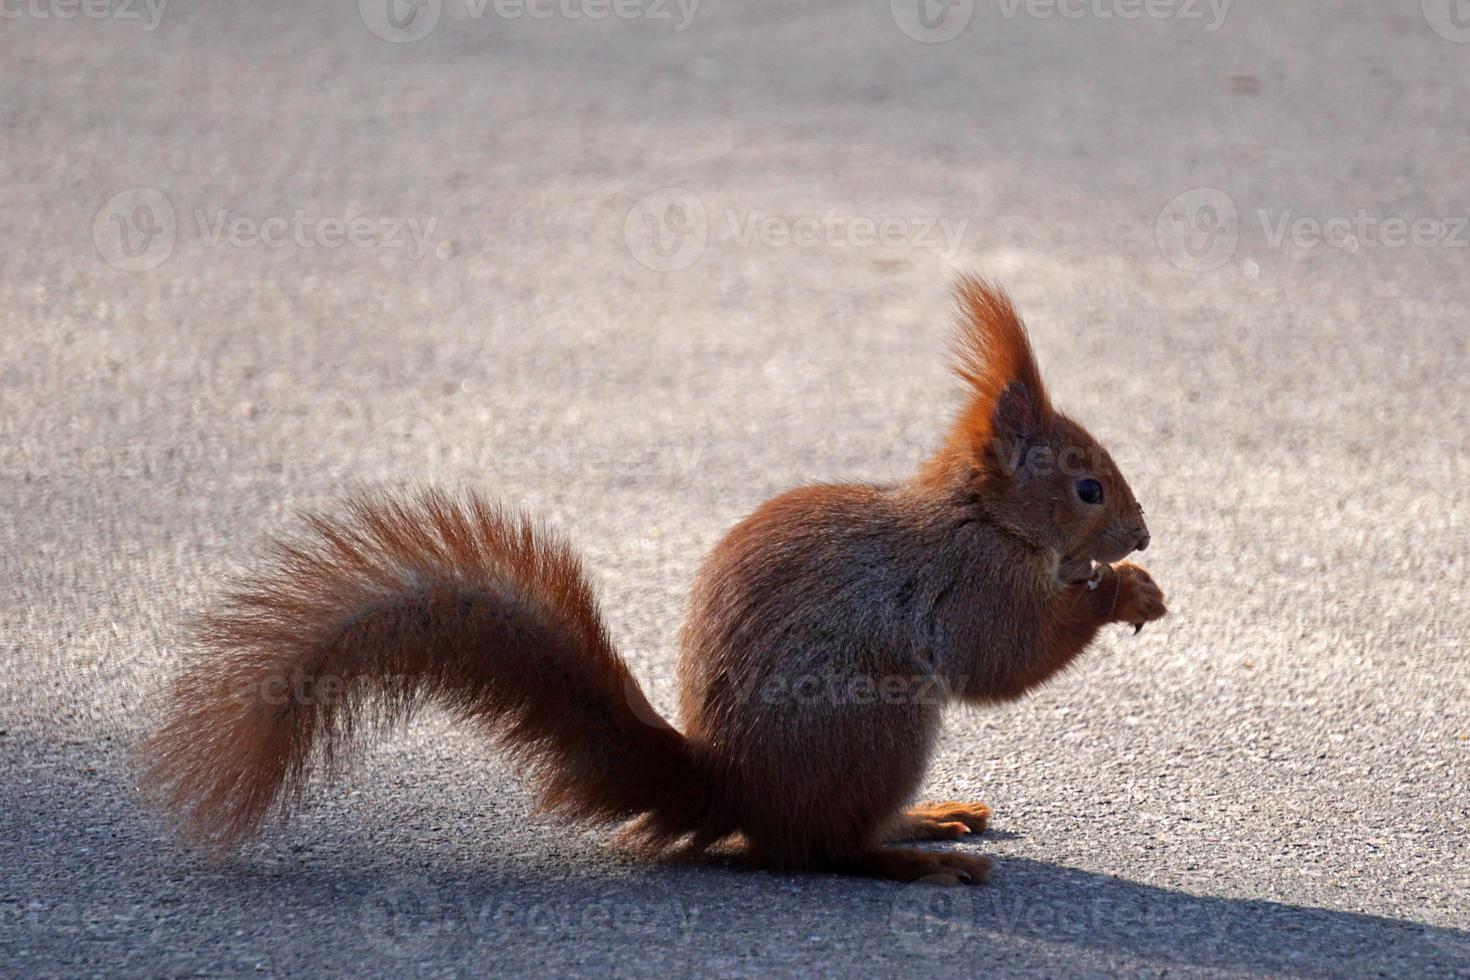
(992, 351)
(1015, 428)
(1017, 417)
(1008, 408)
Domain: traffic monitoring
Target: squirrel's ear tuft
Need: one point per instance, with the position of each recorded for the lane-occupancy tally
(993, 355)
(1008, 407)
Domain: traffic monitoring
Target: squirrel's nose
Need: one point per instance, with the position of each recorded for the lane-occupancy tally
(1143, 540)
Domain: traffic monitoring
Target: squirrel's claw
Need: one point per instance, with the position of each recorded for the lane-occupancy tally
(1137, 628)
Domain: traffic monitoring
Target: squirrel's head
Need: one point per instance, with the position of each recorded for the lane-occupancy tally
(1029, 469)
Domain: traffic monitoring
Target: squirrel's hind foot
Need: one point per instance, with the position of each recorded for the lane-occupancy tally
(975, 816)
(939, 821)
(929, 867)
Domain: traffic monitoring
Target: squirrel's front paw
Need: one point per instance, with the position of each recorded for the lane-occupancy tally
(1139, 600)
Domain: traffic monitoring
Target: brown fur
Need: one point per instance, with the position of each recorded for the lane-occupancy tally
(825, 636)
(399, 603)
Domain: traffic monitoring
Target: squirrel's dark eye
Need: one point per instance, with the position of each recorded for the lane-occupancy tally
(1089, 491)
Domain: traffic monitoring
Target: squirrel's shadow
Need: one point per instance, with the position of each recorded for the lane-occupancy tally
(1032, 916)
(1135, 925)
(431, 898)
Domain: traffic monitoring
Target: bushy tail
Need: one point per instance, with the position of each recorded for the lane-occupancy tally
(398, 603)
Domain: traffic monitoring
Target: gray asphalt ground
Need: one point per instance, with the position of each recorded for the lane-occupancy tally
(599, 322)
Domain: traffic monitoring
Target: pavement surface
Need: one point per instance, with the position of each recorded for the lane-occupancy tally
(638, 272)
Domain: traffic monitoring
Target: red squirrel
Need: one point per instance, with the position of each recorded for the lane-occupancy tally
(826, 634)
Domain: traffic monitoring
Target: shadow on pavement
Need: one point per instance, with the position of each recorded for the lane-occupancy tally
(92, 883)
(1060, 908)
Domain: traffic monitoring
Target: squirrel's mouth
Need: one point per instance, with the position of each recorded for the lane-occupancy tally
(1080, 571)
